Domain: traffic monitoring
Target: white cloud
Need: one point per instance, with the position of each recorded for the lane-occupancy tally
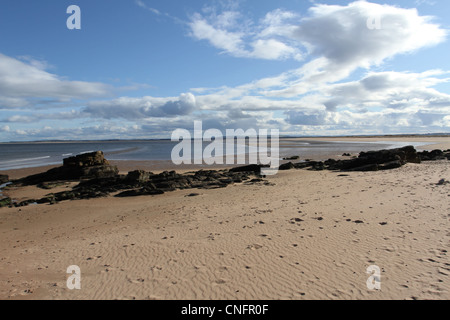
(142, 108)
(231, 33)
(340, 33)
(21, 83)
(142, 4)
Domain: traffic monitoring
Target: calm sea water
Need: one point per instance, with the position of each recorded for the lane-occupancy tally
(25, 155)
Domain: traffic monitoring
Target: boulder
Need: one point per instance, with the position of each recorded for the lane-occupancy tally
(292, 158)
(86, 160)
(138, 176)
(287, 166)
(86, 166)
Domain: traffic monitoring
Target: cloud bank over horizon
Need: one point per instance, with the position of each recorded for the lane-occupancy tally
(343, 82)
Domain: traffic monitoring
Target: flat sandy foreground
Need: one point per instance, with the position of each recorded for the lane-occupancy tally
(310, 235)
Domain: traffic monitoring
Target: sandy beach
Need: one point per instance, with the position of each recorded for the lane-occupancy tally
(306, 235)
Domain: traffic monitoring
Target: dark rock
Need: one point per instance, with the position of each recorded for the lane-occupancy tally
(138, 176)
(292, 158)
(432, 155)
(47, 199)
(390, 165)
(50, 185)
(140, 192)
(378, 160)
(99, 172)
(3, 178)
(304, 165)
(287, 166)
(25, 203)
(318, 166)
(86, 160)
(5, 202)
(256, 168)
(346, 155)
(85, 166)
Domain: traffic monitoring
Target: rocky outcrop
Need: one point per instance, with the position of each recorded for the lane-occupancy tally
(434, 155)
(93, 159)
(3, 178)
(368, 161)
(86, 166)
(97, 178)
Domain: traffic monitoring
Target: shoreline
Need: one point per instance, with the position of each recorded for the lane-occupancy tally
(159, 166)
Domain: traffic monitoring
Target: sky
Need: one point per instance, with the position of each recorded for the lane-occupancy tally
(140, 69)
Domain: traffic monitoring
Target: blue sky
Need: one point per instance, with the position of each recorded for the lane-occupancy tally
(143, 68)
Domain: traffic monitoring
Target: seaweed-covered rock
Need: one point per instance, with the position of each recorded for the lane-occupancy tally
(5, 202)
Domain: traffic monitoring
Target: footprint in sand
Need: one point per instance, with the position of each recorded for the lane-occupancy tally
(254, 247)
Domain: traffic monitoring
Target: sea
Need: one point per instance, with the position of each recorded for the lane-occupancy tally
(37, 154)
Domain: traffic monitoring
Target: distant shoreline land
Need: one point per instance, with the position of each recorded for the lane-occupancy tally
(371, 136)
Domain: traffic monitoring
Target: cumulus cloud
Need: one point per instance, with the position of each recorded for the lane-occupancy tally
(340, 33)
(141, 108)
(22, 82)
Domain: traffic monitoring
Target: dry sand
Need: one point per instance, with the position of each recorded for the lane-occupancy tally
(310, 235)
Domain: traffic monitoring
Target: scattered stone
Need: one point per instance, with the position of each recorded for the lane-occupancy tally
(292, 158)
(193, 195)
